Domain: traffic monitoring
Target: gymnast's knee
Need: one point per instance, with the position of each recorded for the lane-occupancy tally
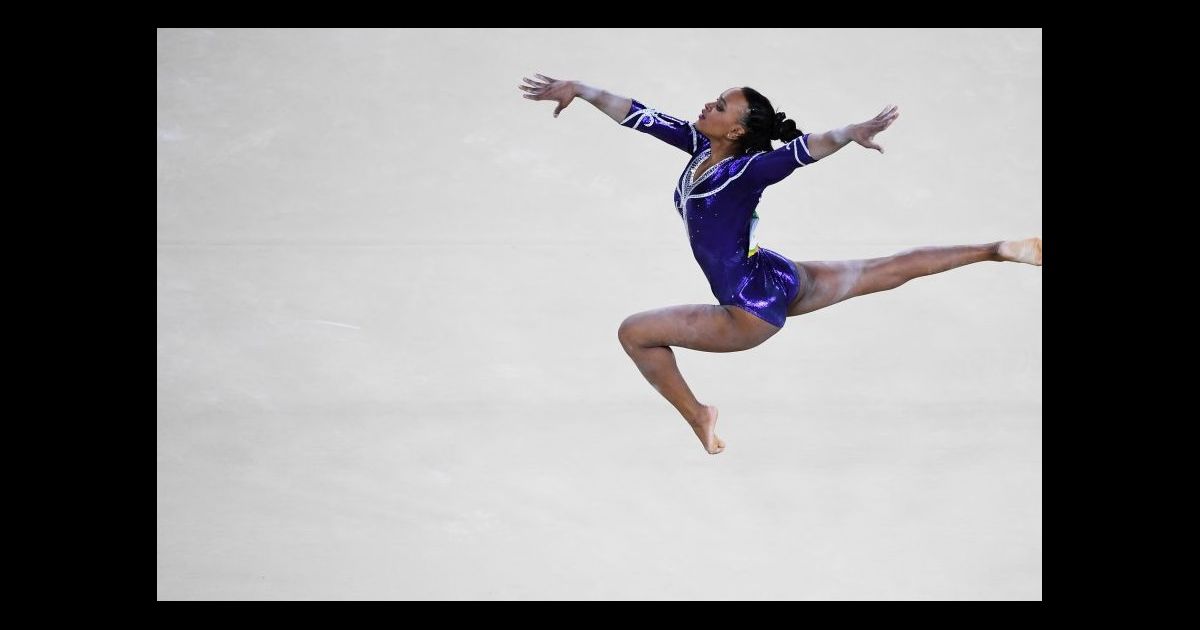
(627, 335)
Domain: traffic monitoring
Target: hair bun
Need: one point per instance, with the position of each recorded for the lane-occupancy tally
(777, 128)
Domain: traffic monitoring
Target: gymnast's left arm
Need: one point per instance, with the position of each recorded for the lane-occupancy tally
(825, 144)
(770, 167)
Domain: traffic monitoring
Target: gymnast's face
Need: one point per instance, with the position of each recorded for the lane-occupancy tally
(722, 118)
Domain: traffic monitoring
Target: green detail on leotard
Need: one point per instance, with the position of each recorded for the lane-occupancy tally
(753, 247)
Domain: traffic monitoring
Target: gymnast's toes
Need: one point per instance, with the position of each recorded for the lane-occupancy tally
(1027, 251)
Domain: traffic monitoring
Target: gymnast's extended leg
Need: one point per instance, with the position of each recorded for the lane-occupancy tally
(827, 282)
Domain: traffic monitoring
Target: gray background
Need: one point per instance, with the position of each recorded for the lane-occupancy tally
(388, 295)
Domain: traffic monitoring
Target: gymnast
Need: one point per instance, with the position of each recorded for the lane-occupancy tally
(732, 162)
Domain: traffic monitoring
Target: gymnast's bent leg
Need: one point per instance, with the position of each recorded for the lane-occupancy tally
(647, 338)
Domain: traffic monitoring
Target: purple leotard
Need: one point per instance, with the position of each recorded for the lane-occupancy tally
(718, 211)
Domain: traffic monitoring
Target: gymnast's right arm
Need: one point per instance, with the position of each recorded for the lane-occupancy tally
(614, 106)
(547, 89)
(631, 113)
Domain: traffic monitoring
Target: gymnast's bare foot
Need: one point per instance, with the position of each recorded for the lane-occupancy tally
(1026, 251)
(705, 426)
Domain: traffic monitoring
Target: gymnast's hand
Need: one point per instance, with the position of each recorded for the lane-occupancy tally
(864, 132)
(547, 89)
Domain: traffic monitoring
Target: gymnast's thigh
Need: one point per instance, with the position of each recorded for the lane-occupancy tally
(705, 327)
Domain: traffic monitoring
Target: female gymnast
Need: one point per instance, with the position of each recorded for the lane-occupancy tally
(756, 288)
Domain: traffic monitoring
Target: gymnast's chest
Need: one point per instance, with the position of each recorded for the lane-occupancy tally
(701, 181)
(696, 206)
(705, 197)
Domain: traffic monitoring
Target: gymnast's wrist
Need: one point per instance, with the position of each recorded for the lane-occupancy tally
(841, 136)
(584, 91)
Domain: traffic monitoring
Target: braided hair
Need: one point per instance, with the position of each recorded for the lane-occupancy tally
(763, 124)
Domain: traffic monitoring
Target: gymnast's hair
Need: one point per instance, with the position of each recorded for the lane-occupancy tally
(763, 124)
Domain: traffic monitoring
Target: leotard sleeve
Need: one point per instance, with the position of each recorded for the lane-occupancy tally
(770, 167)
(674, 131)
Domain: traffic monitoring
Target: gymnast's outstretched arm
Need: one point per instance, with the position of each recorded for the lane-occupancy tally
(770, 167)
(824, 144)
(629, 112)
(546, 89)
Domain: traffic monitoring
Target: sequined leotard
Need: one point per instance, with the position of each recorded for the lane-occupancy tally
(718, 211)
